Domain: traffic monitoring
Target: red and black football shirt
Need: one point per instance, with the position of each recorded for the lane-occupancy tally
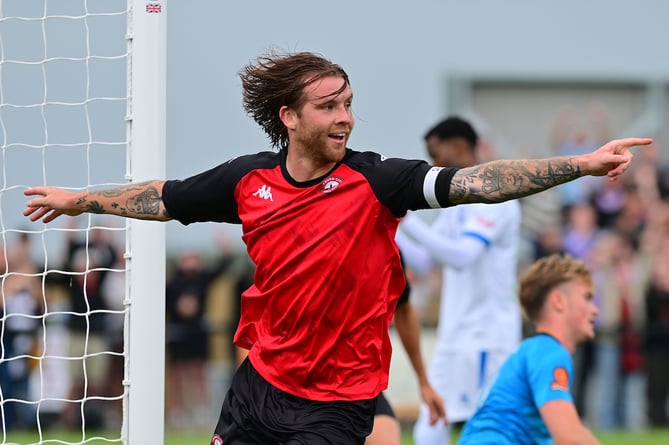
(328, 272)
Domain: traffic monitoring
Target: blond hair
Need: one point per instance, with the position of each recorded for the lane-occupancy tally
(544, 275)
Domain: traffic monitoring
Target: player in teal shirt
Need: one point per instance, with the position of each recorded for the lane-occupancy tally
(530, 401)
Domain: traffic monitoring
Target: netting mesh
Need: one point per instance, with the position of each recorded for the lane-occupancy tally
(63, 103)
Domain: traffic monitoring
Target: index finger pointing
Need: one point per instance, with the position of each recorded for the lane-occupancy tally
(632, 142)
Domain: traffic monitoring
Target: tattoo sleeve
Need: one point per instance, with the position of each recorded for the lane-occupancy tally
(140, 201)
(499, 181)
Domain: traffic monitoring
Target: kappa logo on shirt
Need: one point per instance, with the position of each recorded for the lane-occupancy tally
(560, 379)
(264, 192)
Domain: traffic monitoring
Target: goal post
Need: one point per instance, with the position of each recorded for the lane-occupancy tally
(145, 241)
(82, 334)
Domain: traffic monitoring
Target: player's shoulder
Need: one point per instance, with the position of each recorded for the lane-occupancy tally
(262, 159)
(362, 159)
(543, 345)
(541, 340)
(234, 169)
(366, 159)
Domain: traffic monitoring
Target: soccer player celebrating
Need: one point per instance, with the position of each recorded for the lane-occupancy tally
(319, 222)
(530, 401)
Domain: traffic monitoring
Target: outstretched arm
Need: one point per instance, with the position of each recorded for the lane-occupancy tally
(498, 181)
(408, 328)
(139, 201)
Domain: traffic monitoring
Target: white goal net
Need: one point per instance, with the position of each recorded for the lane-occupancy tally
(81, 328)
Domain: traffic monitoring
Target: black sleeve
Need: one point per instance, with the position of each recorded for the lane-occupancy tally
(209, 196)
(399, 183)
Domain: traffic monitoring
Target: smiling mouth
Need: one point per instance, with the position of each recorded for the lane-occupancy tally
(337, 136)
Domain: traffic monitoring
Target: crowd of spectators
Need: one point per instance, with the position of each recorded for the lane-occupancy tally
(621, 230)
(62, 362)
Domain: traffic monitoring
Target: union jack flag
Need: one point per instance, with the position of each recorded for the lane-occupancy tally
(153, 7)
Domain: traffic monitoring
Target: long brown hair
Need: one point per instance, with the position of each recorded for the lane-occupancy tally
(275, 79)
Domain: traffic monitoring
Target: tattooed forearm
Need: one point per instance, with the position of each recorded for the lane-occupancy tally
(147, 202)
(499, 181)
(141, 201)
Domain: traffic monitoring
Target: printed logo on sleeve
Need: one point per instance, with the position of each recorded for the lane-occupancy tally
(216, 440)
(560, 379)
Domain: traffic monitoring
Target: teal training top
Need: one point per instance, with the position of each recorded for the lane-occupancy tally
(540, 371)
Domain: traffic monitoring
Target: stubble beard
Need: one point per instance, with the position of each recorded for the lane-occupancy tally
(316, 147)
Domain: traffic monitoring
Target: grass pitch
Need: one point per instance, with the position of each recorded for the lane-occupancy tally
(650, 437)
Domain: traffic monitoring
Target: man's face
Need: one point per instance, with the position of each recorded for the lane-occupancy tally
(325, 121)
(447, 152)
(581, 312)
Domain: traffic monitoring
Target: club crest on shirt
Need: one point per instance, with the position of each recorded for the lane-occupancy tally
(330, 184)
(216, 440)
(560, 379)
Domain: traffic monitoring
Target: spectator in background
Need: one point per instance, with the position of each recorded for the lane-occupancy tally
(609, 200)
(580, 230)
(663, 183)
(21, 332)
(621, 276)
(548, 241)
(188, 335)
(579, 235)
(113, 292)
(479, 318)
(88, 259)
(657, 314)
(187, 341)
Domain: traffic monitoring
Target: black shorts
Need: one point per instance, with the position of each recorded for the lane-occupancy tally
(383, 406)
(255, 412)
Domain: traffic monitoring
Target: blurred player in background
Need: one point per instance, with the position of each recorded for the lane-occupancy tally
(530, 400)
(479, 321)
(319, 222)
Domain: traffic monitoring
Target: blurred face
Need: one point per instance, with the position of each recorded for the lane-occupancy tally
(582, 217)
(320, 129)
(580, 309)
(190, 263)
(451, 152)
